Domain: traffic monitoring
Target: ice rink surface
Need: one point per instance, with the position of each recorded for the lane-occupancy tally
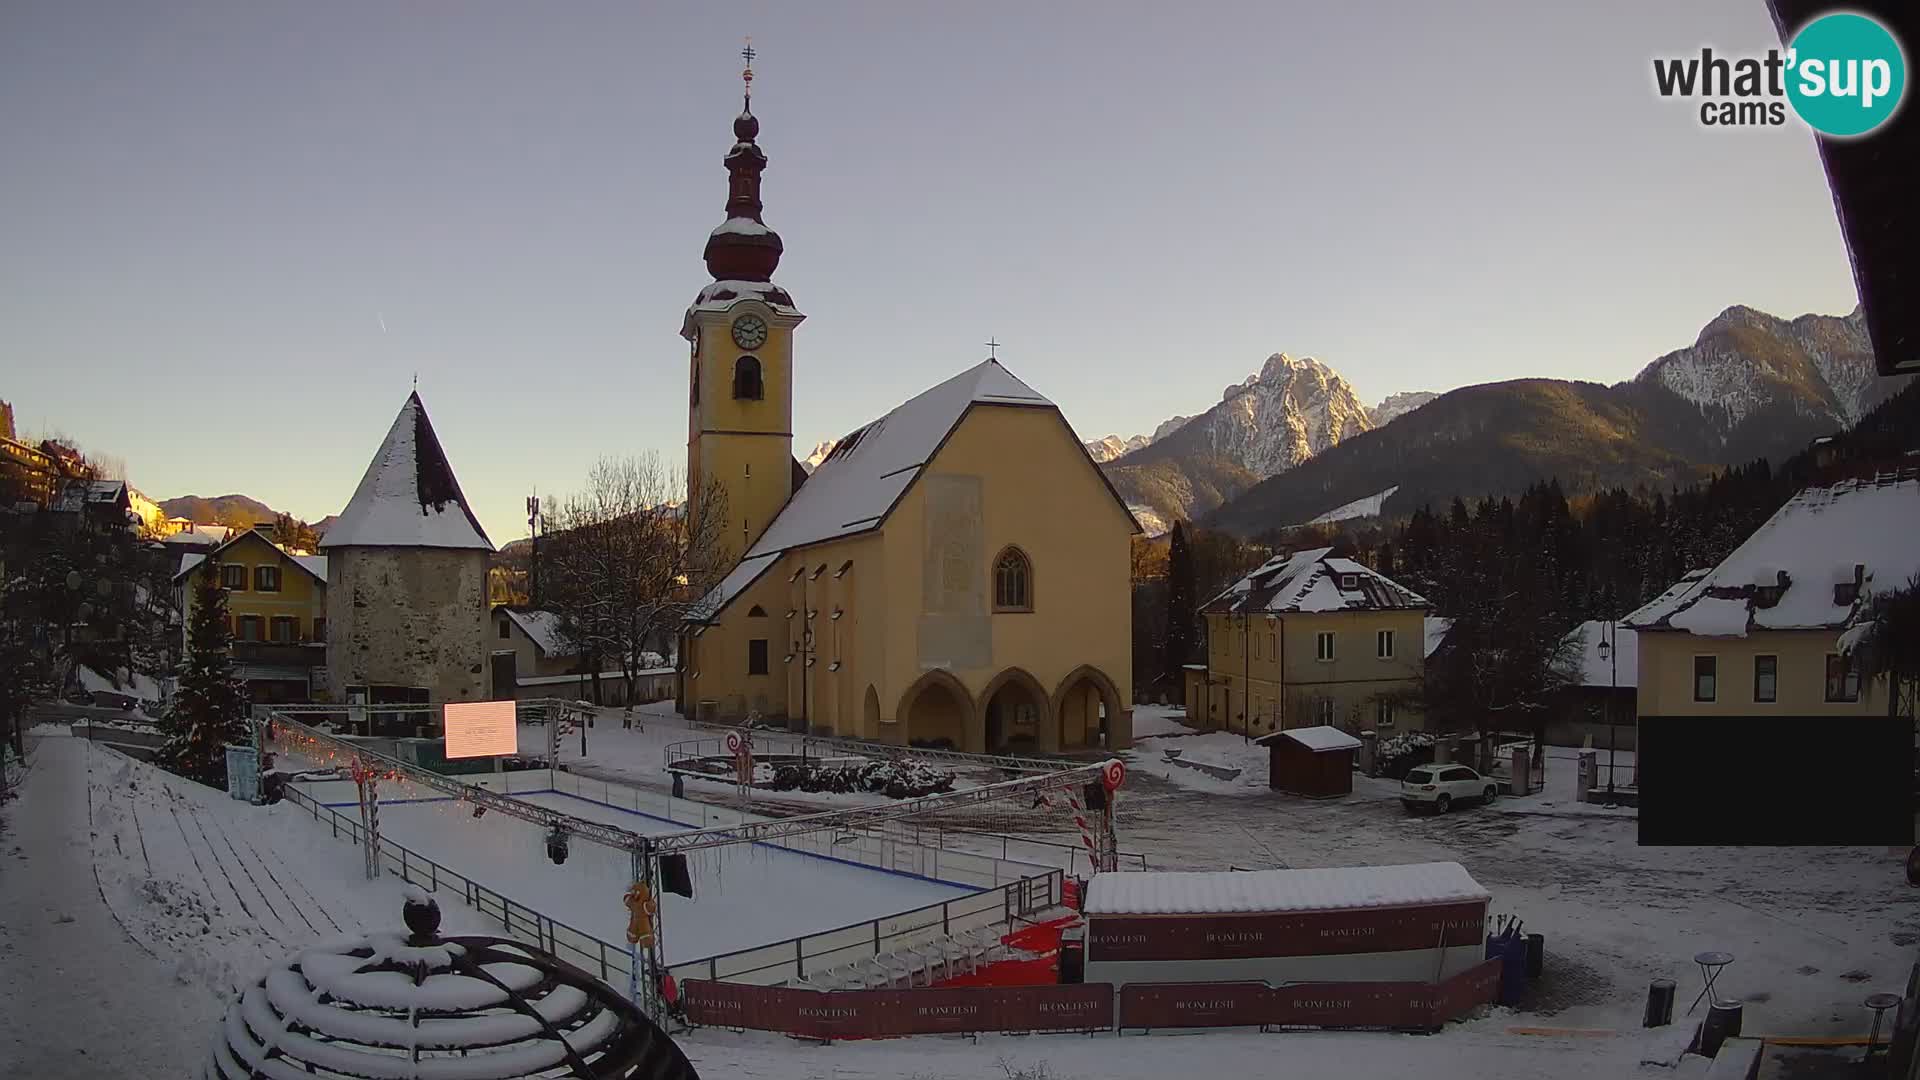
(744, 895)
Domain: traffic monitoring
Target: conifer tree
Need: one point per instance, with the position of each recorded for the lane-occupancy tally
(210, 709)
(1180, 602)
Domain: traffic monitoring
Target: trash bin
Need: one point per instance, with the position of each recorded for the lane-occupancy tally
(1659, 1003)
(1723, 1022)
(1536, 954)
(1511, 951)
(1073, 955)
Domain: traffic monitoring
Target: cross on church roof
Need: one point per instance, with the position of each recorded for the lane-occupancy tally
(993, 349)
(748, 54)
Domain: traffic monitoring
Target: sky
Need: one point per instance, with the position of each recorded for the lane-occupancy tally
(236, 232)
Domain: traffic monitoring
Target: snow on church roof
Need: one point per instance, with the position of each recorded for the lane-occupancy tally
(1816, 539)
(1149, 892)
(854, 488)
(408, 497)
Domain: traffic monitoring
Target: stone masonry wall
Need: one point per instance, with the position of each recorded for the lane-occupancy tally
(407, 617)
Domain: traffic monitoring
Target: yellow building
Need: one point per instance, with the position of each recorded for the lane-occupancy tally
(1761, 634)
(276, 612)
(954, 573)
(1308, 639)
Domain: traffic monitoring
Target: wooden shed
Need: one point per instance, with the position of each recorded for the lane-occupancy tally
(1313, 761)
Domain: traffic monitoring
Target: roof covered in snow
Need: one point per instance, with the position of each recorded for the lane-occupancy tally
(1312, 581)
(1620, 668)
(201, 534)
(856, 486)
(408, 497)
(1317, 738)
(1436, 632)
(1786, 576)
(1147, 892)
(312, 564)
(543, 629)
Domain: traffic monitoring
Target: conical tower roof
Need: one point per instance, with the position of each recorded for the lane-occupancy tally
(408, 497)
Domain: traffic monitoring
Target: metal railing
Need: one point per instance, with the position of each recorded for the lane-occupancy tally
(798, 744)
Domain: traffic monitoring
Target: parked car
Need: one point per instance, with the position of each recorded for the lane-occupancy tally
(1441, 787)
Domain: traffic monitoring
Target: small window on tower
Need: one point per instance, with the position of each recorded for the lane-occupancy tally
(746, 379)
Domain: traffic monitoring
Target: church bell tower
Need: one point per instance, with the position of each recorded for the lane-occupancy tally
(740, 375)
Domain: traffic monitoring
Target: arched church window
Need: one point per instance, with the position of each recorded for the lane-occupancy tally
(756, 612)
(746, 379)
(1012, 581)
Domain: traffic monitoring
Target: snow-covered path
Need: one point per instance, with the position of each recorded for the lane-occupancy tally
(83, 999)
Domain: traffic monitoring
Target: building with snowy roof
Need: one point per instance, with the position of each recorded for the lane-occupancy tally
(1601, 672)
(1310, 639)
(276, 613)
(955, 572)
(407, 578)
(1761, 632)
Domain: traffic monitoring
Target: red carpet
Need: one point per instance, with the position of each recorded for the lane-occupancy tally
(1038, 970)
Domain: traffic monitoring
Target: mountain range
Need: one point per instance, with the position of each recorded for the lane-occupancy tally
(1750, 386)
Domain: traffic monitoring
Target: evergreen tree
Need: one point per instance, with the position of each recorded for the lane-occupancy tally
(1181, 604)
(210, 710)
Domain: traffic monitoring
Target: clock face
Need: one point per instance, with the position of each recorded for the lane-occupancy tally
(749, 332)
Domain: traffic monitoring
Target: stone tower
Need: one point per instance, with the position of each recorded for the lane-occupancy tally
(740, 328)
(407, 577)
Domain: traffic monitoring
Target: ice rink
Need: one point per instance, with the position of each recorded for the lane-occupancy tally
(744, 895)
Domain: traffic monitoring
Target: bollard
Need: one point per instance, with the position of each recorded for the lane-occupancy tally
(1659, 1003)
(1723, 1022)
(1536, 955)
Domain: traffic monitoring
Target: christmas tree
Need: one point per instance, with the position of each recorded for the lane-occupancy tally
(210, 709)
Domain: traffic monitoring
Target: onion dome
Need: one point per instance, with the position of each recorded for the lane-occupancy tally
(393, 1006)
(743, 248)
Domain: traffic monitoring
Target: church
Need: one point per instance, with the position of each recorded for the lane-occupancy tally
(955, 573)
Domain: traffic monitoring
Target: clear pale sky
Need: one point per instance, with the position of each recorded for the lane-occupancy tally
(210, 207)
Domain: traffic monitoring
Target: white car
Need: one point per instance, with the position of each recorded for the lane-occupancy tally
(1441, 787)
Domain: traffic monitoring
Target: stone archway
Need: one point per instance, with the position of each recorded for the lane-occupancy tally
(1086, 708)
(1013, 712)
(936, 710)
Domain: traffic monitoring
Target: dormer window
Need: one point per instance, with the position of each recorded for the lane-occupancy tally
(1766, 596)
(1349, 582)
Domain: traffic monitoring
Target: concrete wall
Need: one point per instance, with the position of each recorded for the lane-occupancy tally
(408, 617)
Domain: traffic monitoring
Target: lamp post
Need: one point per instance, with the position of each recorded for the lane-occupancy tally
(1610, 652)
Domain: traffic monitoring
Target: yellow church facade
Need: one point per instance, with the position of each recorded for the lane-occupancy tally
(955, 573)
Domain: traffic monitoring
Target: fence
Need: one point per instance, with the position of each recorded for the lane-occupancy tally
(796, 744)
(842, 1014)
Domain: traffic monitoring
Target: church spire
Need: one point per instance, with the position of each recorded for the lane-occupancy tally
(743, 248)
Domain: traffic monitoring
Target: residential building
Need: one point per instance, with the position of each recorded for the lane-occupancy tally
(407, 570)
(1308, 639)
(954, 573)
(1761, 633)
(276, 613)
(1602, 674)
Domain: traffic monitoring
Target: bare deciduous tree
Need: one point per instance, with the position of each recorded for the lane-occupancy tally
(621, 567)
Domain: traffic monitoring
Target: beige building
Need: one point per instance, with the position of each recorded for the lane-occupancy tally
(954, 573)
(276, 614)
(1308, 639)
(1764, 633)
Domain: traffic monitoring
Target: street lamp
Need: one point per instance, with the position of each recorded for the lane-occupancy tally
(1612, 655)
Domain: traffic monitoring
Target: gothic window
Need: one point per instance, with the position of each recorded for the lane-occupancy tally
(1012, 581)
(746, 379)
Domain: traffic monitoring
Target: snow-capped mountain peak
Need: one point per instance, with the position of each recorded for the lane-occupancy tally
(1288, 411)
(1747, 361)
(819, 454)
(1397, 405)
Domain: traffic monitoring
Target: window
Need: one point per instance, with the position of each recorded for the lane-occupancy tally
(1766, 678)
(505, 630)
(1843, 679)
(1273, 646)
(1706, 671)
(233, 576)
(1323, 711)
(286, 629)
(1323, 645)
(249, 628)
(266, 579)
(1012, 581)
(1349, 582)
(319, 629)
(746, 379)
(1383, 644)
(1456, 774)
(757, 656)
(756, 612)
(1383, 713)
(1258, 644)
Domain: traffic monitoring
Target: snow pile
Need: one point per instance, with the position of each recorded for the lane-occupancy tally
(125, 683)
(894, 779)
(408, 496)
(1319, 889)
